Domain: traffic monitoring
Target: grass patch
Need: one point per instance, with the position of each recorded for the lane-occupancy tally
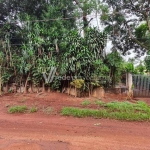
(99, 103)
(139, 111)
(129, 107)
(77, 112)
(17, 109)
(85, 103)
(120, 106)
(33, 109)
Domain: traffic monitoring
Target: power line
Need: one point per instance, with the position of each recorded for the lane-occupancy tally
(53, 19)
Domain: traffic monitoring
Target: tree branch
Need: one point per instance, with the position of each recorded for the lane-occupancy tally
(134, 39)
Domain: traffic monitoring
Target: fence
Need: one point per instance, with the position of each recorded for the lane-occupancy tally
(141, 85)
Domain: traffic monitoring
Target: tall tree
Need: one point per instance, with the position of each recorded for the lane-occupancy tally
(122, 19)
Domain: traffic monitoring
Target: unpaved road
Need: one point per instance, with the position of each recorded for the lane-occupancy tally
(43, 132)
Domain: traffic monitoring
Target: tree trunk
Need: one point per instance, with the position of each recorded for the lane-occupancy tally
(75, 92)
(89, 89)
(49, 89)
(0, 80)
(43, 87)
(113, 76)
(20, 83)
(7, 87)
(26, 84)
(31, 88)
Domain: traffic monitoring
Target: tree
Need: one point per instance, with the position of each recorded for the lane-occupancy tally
(38, 37)
(29, 44)
(140, 69)
(142, 33)
(116, 65)
(147, 62)
(86, 7)
(122, 19)
(84, 55)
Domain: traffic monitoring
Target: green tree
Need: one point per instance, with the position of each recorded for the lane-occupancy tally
(147, 62)
(116, 65)
(142, 33)
(121, 24)
(140, 69)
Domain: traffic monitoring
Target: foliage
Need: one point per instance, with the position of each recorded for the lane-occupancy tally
(140, 69)
(116, 66)
(126, 32)
(142, 33)
(77, 83)
(147, 62)
(49, 35)
(129, 67)
(17, 109)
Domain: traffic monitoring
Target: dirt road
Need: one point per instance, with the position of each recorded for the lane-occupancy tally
(42, 132)
(39, 131)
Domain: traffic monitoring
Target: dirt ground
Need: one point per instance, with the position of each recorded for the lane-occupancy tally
(42, 131)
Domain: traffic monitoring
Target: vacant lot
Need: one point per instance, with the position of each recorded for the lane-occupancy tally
(42, 127)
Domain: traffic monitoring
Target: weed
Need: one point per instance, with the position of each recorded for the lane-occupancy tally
(85, 103)
(33, 109)
(17, 109)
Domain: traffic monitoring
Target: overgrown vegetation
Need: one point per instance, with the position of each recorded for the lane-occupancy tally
(139, 111)
(36, 36)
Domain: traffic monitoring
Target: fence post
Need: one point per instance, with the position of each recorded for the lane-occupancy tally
(129, 82)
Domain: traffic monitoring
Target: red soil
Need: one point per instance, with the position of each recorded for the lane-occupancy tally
(40, 131)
